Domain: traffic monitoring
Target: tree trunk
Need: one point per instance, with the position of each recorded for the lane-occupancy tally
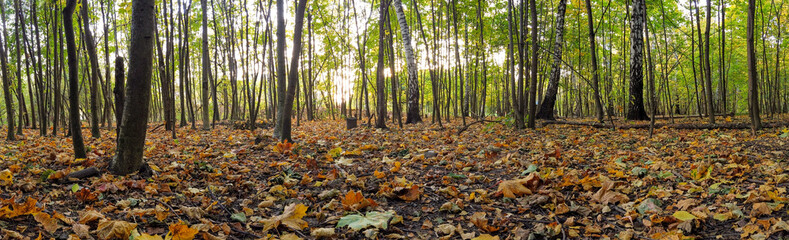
(71, 46)
(753, 82)
(206, 68)
(549, 100)
(9, 102)
(636, 109)
(412, 114)
(90, 45)
(119, 92)
(380, 85)
(707, 69)
(593, 49)
(131, 141)
(534, 60)
(282, 129)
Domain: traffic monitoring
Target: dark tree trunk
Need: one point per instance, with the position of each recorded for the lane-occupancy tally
(71, 46)
(753, 82)
(206, 67)
(9, 102)
(593, 49)
(636, 109)
(707, 69)
(283, 127)
(90, 45)
(131, 141)
(380, 85)
(119, 92)
(534, 60)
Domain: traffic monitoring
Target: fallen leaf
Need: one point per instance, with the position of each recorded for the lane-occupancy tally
(50, 224)
(290, 217)
(114, 229)
(519, 187)
(180, 231)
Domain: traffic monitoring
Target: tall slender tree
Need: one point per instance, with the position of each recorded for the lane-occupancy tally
(206, 67)
(548, 103)
(282, 129)
(753, 81)
(73, 80)
(90, 45)
(380, 85)
(131, 141)
(9, 102)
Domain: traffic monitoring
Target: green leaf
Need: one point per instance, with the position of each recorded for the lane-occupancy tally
(457, 176)
(239, 216)
(358, 222)
(75, 188)
(532, 168)
(638, 171)
(684, 216)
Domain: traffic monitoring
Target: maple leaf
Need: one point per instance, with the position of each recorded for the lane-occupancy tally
(355, 200)
(50, 224)
(479, 220)
(85, 195)
(14, 209)
(114, 229)
(358, 222)
(519, 187)
(291, 217)
(180, 231)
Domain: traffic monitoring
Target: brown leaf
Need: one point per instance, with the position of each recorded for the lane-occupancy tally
(115, 230)
(50, 224)
(479, 220)
(519, 187)
(605, 195)
(408, 194)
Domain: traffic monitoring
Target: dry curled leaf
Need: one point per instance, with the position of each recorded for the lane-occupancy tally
(519, 187)
(291, 217)
(109, 229)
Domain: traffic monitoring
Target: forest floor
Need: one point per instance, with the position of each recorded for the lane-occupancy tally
(490, 182)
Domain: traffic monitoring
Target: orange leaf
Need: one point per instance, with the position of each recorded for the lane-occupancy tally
(408, 194)
(180, 231)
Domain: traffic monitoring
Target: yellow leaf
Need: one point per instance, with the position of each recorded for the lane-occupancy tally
(145, 236)
(290, 217)
(684, 216)
(115, 230)
(6, 178)
(486, 237)
(180, 231)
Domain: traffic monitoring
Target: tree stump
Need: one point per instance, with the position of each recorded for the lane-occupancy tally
(350, 123)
